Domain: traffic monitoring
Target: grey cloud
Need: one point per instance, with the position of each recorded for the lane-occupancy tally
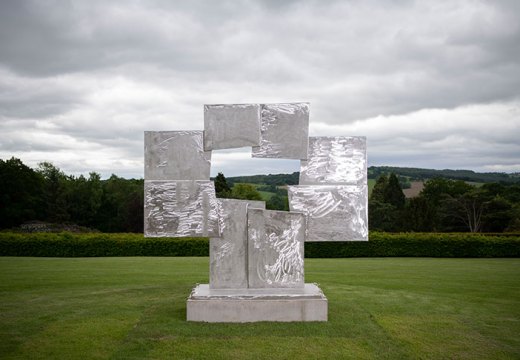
(102, 72)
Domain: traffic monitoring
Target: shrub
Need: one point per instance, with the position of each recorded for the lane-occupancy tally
(380, 245)
(86, 245)
(419, 245)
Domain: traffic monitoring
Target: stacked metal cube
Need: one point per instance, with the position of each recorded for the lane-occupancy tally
(251, 247)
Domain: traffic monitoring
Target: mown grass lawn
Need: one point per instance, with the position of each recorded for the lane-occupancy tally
(134, 308)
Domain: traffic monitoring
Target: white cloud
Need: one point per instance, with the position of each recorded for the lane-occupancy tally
(431, 83)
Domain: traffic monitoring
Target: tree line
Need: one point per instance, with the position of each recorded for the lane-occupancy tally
(444, 205)
(116, 204)
(47, 194)
(423, 174)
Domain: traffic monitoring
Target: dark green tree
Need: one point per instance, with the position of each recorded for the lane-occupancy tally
(245, 192)
(498, 214)
(385, 205)
(418, 215)
(278, 202)
(392, 192)
(20, 193)
(55, 192)
(84, 199)
(382, 216)
(378, 192)
(222, 188)
(121, 207)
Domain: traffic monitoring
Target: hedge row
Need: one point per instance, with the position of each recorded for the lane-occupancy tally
(98, 244)
(419, 245)
(380, 245)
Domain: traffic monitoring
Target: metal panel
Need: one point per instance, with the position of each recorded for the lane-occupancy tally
(228, 253)
(231, 126)
(180, 208)
(284, 131)
(275, 248)
(335, 160)
(335, 212)
(175, 155)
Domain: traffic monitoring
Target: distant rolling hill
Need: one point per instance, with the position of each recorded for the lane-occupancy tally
(411, 178)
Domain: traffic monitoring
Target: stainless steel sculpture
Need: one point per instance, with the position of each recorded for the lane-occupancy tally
(335, 212)
(175, 155)
(180, 208)
(256, 255)
(228, 253)
(275, 248)
(284, 131)
(335, 160)
(231, 126)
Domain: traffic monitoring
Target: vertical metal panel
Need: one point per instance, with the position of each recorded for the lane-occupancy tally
(228, 253)
(231, 126)
(175, 155)
(284, 131)
(335, 212)
(335, 160)
(180, 208)
(275, 248)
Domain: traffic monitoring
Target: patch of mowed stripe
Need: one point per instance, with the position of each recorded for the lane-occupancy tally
(134, 308)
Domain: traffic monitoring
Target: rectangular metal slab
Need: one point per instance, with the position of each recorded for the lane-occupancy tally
(335, 160)
(335, 212)
(275, 242)
(180, 208)
(231, 126)
(284, 131)
(228, 253)
(175, 155)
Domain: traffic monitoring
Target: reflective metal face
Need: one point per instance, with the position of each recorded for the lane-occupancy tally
(228, 253)
(284, 131)
(335, 212)
(180, 208)
(335, 160)
(275, 248)
(175, 155)
(231, 126)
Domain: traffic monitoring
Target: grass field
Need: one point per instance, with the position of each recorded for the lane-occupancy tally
(134, 308)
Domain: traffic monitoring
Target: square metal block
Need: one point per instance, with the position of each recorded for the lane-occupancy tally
(335, 212)
(335, 160)
(175, 155)
(275, 248)
(228, 253)
(231, 126)
(284, 131)
(180, 208)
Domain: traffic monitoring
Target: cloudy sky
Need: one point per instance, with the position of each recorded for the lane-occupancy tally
(433, 84)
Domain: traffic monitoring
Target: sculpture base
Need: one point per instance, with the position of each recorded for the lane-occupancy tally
(252, 305)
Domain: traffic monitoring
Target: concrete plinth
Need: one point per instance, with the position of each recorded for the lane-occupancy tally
(251, 305)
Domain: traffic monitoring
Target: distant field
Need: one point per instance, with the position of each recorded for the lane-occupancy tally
(266, 195)
(371, 183)
(135, 308)
(414, 190)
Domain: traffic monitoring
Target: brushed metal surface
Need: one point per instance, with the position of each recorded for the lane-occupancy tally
(284, 131)
(228, 253)
(335, 212)
(180, 208)
(275, 247)
(335, 160)
(175, 155)
(231, 126)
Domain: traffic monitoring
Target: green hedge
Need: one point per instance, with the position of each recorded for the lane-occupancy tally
(87, 245)
(380, 245)
(419, 245)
